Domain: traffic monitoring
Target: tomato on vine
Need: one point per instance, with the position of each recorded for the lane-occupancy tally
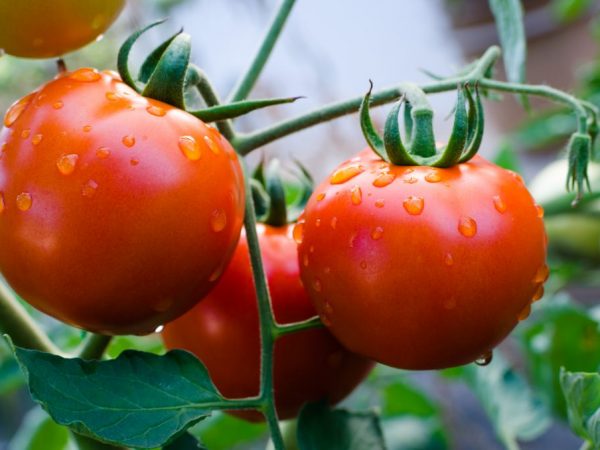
(419, 259)
(223, 329)
(43, 29)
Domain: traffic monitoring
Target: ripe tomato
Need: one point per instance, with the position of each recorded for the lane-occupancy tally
(110, 216)
(223, 331)
(43, 29)
(422, 268)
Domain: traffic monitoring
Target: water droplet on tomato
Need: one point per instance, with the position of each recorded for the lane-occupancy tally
(311, 249)
(467, 226)
(66, 163)
(212, 145)
(542, 274)
(317, 223)
(189, 147)
(16, 109)
(103, 152)
(134, 161)
(317, 286)
(320, 196)
(380, 203)
(87, 128)
(352, 239)
(111, 97)
(499, 204)
(433, 177)
(25, 133)
(344, 174)
(414, 205)
(218, 220)
(2, 205)
(58, 105)
(333, 222)
(356, 195)
(89, 188)
(383, 179)
(298, 232)
(156, 111)
(524, 314)
(538, 294)
(516, 176)
(305, 260)
(162, 305)
(410, 180)
(24, 201)
(449, 259)
(216, 274)
(540, 211)
(36, 139)
(363, 265)
(485, 359)
(377, 233)
(85, 75)
(327, 269)
(128, 141)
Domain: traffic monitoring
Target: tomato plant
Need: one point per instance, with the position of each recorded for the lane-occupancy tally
(110, 218)
(41, 29)
(222, 330)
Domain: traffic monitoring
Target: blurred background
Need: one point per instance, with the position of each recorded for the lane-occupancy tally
(328, 52)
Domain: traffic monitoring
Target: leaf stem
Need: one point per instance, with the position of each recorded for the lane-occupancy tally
(18, 324)
(247, 82)
(95, 346)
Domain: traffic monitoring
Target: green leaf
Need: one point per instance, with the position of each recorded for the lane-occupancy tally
(506, 157)
(400, 398)
(136, 400)
(511, 30)
(39, 432)
(582, 393)
(185, 442)
(514, 410)
(321, 428)
(222, 431)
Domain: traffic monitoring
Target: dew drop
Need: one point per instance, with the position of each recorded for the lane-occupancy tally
(363, 265)
(383, 179)
(212, 145)
(327, 269)
(524, 314)
(352, 239)
(410, 180)
(36, 139)
(540, 211)
(433, 177)
(305, 260)
(320, 196)
(134, 161)
(484, 359)
(24, 201)
(128, 141)
(517, 177)
(346, 173)
(333, 223)
(317, 286)
(66, 163)
(542, 274)
(327, 308)
(111, 97)
(467, 226)
(2, 204)
(159, 329)
(216, 274)
(499, 204)
(190, 148)
(311, 249)
(58, 105)
(103, 152)
(317, 223)
(218, 220)
(85, 75)
(326, 320)
(87, 128)
(380, 203)
(298, 232)
(156, 111)
(377, 233)
(538, 294)
(89, 189)
(356, 195)
(414, 205)
(162, 304)
(16, 109)
(448, 259)
(25, 133)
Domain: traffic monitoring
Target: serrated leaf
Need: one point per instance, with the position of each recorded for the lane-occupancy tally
(511, 30)
(137, 400)
(514, 410)
(321, 428)
(39, 432)
(582, 393)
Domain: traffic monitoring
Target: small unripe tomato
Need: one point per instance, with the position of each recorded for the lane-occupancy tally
(418, 267)
(110, 216)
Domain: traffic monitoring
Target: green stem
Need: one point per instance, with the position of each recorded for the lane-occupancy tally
(95, 346)
(18, 324)
(247, 82)
(246, 143)
(282, 330)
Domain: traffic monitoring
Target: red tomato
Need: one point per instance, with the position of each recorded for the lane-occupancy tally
(223, 331)
(110, 216)
(43, 28)
(422, 268)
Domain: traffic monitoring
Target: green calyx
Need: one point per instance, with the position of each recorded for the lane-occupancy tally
(418, 147)
(167, 74)
(280, 193)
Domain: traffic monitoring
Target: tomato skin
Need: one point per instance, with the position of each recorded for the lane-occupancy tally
(409, 289)
(105, 223)
(223, 331)
(45, 29)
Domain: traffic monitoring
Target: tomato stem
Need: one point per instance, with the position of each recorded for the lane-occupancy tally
(282, 330)
(95, 346)
(248, 80)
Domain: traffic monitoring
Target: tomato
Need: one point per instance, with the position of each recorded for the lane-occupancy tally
(43, 29)
(223, 331)
(111, 219)
(422, 268)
